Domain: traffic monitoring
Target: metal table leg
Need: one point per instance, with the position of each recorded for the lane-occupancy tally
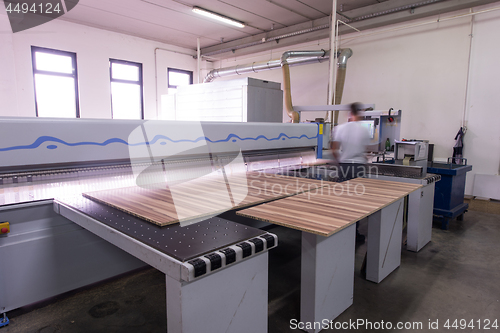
(4, 321)
(327, 278)
(233, 301)
(420, 217)
(384, 241)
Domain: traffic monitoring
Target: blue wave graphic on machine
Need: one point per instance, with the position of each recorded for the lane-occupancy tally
(233, 137)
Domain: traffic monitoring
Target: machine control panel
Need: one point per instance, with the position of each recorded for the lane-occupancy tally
(4, 228)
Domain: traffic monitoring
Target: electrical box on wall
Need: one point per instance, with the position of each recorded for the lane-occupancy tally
(239, 100)
(389, 129)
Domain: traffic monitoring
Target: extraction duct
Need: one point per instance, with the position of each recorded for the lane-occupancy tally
(290, 58)
(286, 78)
(339, 85)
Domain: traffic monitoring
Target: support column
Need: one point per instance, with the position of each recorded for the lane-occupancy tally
(327, 278)
(233, 300)
(385, 229)
(420, 207)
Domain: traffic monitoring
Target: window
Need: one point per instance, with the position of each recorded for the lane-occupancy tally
(177, 78)
(56, 83)
(126, 89)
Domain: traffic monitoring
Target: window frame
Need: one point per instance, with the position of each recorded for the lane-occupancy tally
(74, 75)
(181, 71)
(140, 83)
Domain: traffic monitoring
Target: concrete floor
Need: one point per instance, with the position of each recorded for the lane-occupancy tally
(456, 276)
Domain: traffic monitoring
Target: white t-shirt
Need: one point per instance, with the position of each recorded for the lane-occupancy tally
(353, 139)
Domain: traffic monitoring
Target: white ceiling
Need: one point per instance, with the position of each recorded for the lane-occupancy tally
(173, 22)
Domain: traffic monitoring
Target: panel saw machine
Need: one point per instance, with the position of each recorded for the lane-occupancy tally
(56, 240)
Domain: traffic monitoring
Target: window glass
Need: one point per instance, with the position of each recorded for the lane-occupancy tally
(56, 83)
(126, 89)
(177, 78)
(124, 72)
(55, 96)
(126, 99)
(53, 63)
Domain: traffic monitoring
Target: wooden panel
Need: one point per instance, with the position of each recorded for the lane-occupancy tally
(202, 197)
(331, 208)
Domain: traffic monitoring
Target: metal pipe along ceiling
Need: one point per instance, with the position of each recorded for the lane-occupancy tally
(256, 67)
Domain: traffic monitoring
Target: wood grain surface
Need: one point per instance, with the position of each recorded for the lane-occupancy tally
(331, 208)
(202, 197)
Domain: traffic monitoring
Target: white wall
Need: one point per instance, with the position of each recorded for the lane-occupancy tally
(94, 48)
(422, 71)
(8, 93)
(482, 141)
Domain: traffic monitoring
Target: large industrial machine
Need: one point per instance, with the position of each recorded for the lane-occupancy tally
(54, 240)
(67, 186)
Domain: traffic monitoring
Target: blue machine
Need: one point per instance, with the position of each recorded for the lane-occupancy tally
(449, 197)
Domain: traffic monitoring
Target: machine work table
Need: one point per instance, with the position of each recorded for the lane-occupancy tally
(330, 209)
(327, 220)
(199, 258)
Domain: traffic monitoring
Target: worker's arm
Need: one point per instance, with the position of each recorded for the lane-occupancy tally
(335, 146)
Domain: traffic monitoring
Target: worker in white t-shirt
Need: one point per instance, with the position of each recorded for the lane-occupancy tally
(349, 140)
(349, 143)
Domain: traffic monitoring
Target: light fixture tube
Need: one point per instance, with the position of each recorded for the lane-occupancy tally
(217, 17)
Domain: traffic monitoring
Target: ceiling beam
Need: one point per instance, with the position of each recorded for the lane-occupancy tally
(236, 44)
(417, 13)
(379, 7)
(256, 43)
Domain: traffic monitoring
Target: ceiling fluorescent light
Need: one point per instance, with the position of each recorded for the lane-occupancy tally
(217, 17)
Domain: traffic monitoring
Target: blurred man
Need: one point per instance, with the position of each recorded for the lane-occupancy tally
(349, 144)
(349, 140)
